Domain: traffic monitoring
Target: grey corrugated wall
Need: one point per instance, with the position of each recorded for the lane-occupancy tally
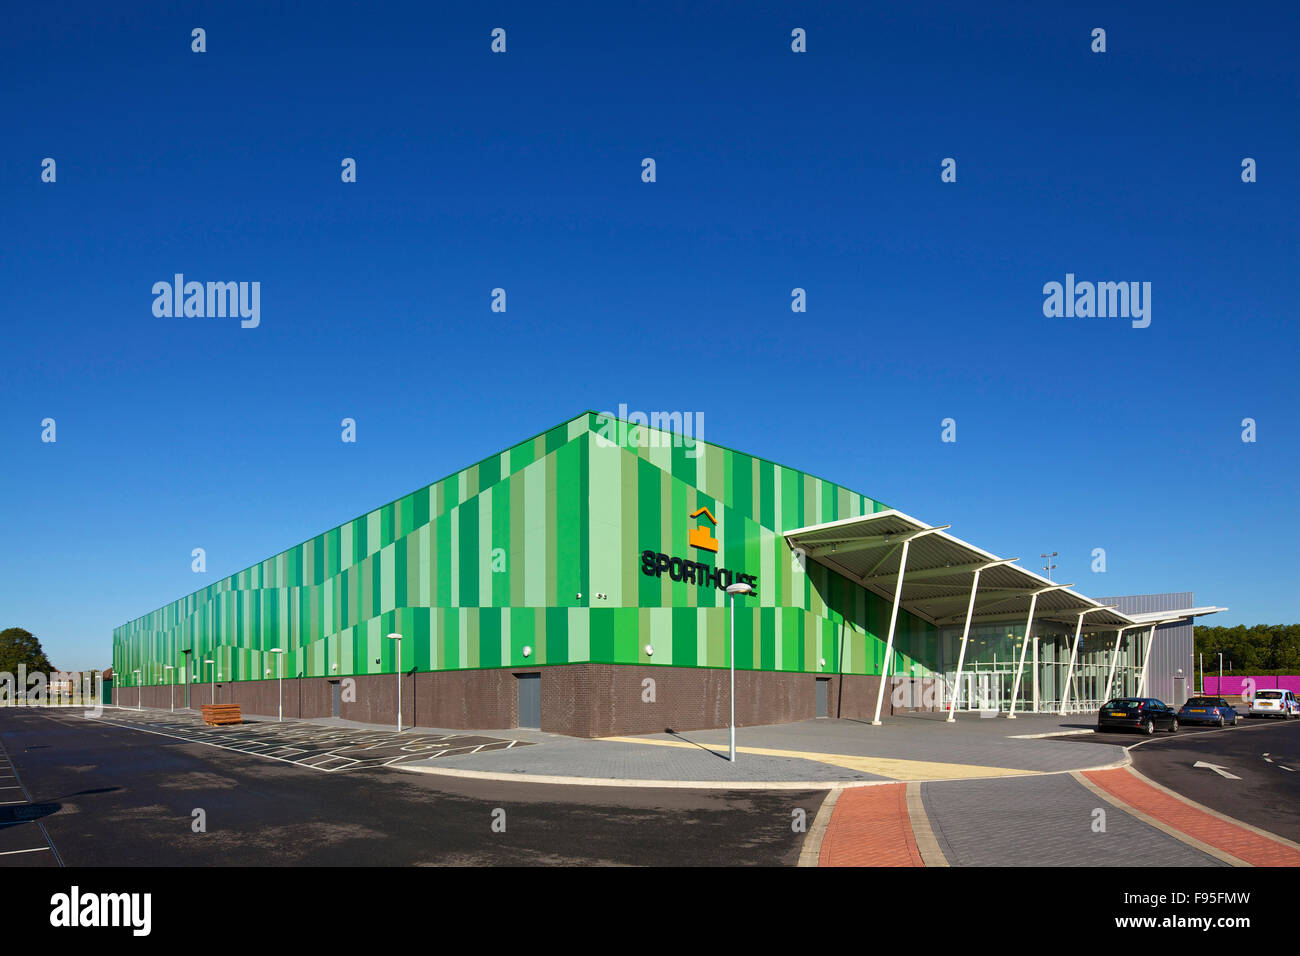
(1174, 647)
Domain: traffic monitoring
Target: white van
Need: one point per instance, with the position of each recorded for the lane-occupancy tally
(1275, 703)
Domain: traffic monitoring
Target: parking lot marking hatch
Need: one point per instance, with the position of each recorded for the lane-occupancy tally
(327, 749)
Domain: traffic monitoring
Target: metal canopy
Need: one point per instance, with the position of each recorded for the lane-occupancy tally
(937, 582)
(1178, 614)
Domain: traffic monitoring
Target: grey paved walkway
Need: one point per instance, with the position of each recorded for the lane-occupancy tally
(1043, 821)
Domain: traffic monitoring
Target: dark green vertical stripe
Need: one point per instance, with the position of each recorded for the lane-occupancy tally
(469, 553)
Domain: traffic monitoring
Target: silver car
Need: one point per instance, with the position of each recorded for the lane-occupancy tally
(1275, 703)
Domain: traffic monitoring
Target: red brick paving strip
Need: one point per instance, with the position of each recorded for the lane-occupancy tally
(870, 827)
(1228, 837)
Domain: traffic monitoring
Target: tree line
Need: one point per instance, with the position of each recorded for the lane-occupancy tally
(1262, 649)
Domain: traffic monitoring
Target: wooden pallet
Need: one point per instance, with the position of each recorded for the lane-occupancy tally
(219, 715)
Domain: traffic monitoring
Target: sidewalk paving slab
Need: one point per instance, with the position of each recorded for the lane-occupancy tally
(1043, 821)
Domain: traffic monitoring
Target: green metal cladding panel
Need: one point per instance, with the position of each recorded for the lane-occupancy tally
(510, 553)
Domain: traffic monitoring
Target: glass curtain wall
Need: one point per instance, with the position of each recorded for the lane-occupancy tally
(994, 652)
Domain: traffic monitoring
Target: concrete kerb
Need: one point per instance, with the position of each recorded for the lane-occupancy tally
(811, 851)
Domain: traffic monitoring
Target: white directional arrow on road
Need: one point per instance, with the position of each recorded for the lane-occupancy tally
(1217, 769)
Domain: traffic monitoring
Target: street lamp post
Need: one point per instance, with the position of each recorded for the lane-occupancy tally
(279, 653)
(398, 638)
(214, 677)
(139, 686)
(171, 688)
(735, 590)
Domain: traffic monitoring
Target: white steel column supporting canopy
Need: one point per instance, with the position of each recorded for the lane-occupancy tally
(907, 538)
(1114, 659)
(1074, 655)
(965, 633)
(1024, 645)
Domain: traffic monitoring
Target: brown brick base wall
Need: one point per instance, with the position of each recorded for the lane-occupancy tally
(581, 700)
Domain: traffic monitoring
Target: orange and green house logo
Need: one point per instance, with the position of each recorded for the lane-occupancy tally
(702, 536)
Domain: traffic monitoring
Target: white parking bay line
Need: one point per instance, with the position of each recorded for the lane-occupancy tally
(35, 849)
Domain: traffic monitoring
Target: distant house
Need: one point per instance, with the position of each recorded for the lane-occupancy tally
(61, 683)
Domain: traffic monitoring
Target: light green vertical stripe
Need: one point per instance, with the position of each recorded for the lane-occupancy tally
(518, 533)
(552, 578)
(630, 560)
(535, 544)
(579, 634)
(609, 557)
(387, 582)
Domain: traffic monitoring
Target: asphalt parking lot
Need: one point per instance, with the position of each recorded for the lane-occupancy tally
(24, 841)
(308, 744)
(107, 795)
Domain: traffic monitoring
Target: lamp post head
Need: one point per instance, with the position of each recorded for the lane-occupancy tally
(740, 587)
(394, 636)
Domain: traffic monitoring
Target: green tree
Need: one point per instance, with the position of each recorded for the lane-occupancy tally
(18, 646)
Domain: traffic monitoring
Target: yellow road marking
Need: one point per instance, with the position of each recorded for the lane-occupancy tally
(891, 767)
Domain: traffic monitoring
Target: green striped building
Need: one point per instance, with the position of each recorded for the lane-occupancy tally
(543, 585)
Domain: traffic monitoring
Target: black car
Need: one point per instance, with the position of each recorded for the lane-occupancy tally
(1137, 713)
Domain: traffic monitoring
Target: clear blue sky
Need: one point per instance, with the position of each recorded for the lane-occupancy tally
(775, 170)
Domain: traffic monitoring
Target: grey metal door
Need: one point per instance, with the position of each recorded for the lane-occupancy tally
(530, 700)
(336, 697)
(822, 686)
